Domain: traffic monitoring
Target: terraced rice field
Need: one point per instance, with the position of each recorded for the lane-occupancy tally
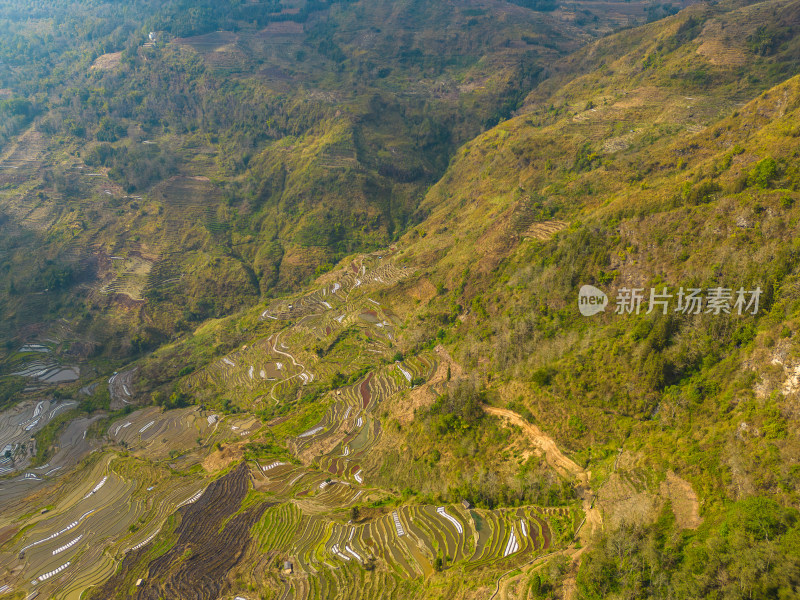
(161, 491)
(113, 508)
(220, 50)
(405, 541)
(23, 158)
(122, 388)
(131, 276)
(155, 434)
(210, 530)
(17, 425)
(37, 361)
(184, 204)
(350, 428)
(328, 316)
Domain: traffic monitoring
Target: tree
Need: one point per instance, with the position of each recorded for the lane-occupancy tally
(438, 563)
(763, 173)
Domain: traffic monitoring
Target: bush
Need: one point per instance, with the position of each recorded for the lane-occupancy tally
(656, 561)
(703, 192)
(543, 376)
(461, 406)
(763, 173)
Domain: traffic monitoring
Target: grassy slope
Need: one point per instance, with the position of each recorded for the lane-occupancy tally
(683, 194)
(678, 209)
(672, 199)
(665, 164)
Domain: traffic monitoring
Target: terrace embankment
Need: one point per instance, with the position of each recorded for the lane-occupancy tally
(210, 540)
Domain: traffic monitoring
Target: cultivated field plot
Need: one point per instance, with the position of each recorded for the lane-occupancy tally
(23, 157)
(275, 46)
(354, 329)
(364, 274)
(95, 517)
(183, 205)
(406, 541)
(121, 388)
(164, 480)
(38, 362)
(131, 276)
(220, 50)
(159, 435)
(17, 426)
(73, 446)
(350, 428)
(257, 368)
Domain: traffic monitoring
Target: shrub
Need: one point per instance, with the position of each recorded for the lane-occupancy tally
(763, 173)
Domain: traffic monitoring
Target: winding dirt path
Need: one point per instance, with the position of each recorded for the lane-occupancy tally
(310, 375)
(565, 467)
(555, 458)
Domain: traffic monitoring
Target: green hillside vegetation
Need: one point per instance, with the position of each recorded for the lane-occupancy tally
(689, 215)
(682, 197)
(317, 131)
(663, 180)
(360, 293)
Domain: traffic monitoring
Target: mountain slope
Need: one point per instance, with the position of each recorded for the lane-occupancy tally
(151, 184)
(622, 454)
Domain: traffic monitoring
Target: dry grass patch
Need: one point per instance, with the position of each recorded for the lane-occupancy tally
(684, 500)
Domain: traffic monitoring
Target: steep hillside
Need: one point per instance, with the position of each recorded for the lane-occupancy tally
(639, 175)
(437, 418)
(149, 184)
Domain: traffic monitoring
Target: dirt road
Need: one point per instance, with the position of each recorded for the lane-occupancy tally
(567, 468)
(555, 458)
(561, 463)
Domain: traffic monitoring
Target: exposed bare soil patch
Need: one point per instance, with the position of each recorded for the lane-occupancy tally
(107, 62)
(224, 457)
(545, 230)
(426, 394)
(561, 463)
(622, 503)
(423, 290)
(685, 504)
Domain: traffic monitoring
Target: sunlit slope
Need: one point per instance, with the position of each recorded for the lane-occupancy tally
(306, 485)
(637, 175)
(455, 365)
